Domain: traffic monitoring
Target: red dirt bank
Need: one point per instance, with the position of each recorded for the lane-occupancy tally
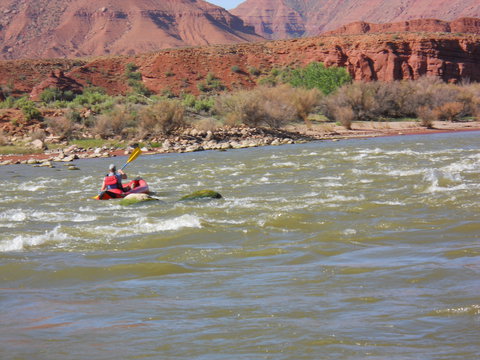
(385, 57)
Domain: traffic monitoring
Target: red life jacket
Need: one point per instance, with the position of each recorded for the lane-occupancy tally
(112, 182)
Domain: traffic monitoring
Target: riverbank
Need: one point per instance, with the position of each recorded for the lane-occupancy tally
(192, 140)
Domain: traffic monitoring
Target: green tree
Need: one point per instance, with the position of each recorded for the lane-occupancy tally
(316, 75)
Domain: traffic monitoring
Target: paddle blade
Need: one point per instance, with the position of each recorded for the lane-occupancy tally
(135, 153)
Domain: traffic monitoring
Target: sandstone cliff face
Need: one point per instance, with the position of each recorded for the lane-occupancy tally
(317, 16)
(462, 25)
(368, 57)
(74, 28)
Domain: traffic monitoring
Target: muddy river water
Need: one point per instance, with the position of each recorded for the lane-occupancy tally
(358, 249)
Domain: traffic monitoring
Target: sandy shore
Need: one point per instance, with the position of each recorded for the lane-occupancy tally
(252, 138)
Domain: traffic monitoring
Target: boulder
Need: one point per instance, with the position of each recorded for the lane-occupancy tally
(38, 145)
(202, 194)
(135, 199)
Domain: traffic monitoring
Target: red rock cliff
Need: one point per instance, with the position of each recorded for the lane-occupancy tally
(385, 57)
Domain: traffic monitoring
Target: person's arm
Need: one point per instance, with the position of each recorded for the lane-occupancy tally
(103, 185)
(124, 176)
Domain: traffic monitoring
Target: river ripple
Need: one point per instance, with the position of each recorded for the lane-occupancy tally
(349, 250)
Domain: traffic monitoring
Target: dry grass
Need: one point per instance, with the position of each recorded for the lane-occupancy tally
(61, 126)
(451, 111)
(161, 118)
(271, 106)
(207, 124)
(113, 123)
(345, 116)
(427, 116)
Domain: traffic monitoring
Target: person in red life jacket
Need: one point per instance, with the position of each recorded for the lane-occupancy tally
(113, 180)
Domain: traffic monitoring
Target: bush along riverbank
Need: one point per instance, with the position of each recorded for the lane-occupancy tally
(286, 106)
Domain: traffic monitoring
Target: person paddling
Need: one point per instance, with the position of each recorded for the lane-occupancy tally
(113, 180)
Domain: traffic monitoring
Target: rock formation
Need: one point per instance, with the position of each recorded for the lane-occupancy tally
(202, 194)
(462, 25)
(58, 80)
(74, 28)
(280, 19)
(389, 56)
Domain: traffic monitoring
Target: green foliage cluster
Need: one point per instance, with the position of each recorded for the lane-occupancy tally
(28, 107)
(201, 104)
(313, 76)
(30, 111)
(134, 80)
(95, 99)
(211, 84)
(51, 95)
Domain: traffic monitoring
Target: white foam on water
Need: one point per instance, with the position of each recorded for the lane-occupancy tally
(464, 165)
(185, 221)
(20, 215)
(349, 232)
(330, 178)
(21, 241)
(16, 215)
(442, 181)
(332, 184)
(402, 173)
(148, 225)
(285, 164)
(31, 186)
(392, 203)
(342, 198)
(465, 310)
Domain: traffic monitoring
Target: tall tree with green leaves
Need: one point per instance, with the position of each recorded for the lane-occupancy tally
(316, 75)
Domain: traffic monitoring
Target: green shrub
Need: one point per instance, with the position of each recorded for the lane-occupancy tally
(30, 112)
(211, 83)
(316, 75)
(131, 67)
(189, 100)
(51, 95)
(254, 71)
(236, 69)
(73, 116)
(8, 103)
(94, 99)
(134, 76)
(139, 88)
(204, 104)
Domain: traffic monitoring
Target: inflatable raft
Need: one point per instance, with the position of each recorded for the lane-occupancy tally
(136, 186)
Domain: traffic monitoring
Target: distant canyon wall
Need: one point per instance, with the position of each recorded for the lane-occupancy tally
(283, 19)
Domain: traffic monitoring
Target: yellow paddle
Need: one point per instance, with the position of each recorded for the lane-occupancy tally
(135, 153)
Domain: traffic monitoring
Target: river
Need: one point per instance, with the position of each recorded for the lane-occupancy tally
(358, 249)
